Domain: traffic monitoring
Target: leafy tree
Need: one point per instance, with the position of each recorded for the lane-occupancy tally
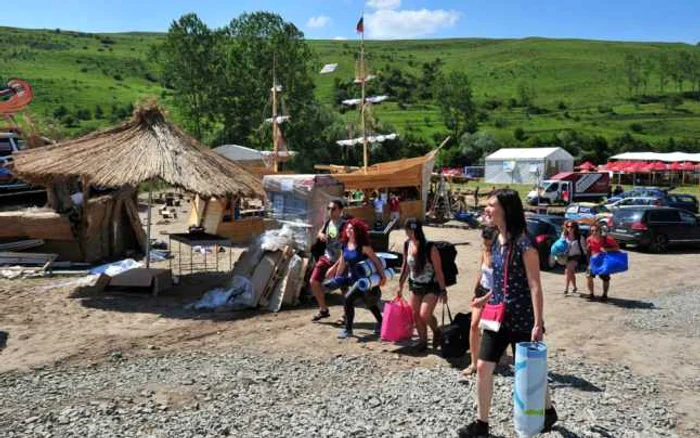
(187, 57)
(60, 112)
(664, 71)
(455, 99)
(526, 94)
(248, 48)
(519, 134)
(476, 146)
(99, 113)
(633, 72)
(430, 73)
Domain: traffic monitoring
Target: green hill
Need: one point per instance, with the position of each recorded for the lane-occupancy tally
(579, 85)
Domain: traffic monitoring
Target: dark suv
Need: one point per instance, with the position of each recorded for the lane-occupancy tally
(654, 228)
(684, 202)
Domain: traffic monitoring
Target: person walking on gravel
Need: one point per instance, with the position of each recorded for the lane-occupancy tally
(598, 243)
(325, 265)
(575, 254)
(356, 248)
(516, 283)
(482, 293)
(423, 268)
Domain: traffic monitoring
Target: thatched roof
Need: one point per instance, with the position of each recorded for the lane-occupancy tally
(146, 148)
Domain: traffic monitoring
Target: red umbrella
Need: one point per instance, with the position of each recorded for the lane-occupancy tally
(687, 166)
(675, 166)
(637, 167)
(587, 166)
(658, 166)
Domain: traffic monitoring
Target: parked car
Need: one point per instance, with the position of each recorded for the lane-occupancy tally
(684, 202)
(637, 200)
(587, 213)
(641, 192)
(545, 230)
(655, 228)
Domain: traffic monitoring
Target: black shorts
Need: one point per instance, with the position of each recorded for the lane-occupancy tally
(494, 344)
(423, 290)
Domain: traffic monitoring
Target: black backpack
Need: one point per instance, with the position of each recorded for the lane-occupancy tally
(448, 255)
(455, 335)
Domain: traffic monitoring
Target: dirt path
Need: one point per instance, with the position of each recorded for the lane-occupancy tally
(48, 322)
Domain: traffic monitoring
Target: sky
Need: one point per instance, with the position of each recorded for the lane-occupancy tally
(620, 20)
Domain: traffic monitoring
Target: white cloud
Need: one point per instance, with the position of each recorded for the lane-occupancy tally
(318, 22)
(384, 4)
(406, 24)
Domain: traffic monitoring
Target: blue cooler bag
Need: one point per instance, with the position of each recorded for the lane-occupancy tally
(608, 263)
(560, 247)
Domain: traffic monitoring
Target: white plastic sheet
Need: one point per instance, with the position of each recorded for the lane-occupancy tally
(116, 268)
(237, 295)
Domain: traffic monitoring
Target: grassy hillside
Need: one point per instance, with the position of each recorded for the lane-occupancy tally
(579, 84)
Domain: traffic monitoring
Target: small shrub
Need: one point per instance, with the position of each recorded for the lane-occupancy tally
(150, 77)
(605, 109)
(117, 77)
(562, 105)
(84, 70)
(83, 114)
(501, 122)
(519, 134)
(637, 127)
(492, 104)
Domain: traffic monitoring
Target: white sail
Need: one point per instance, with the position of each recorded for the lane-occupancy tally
(279, 119)
(371, 99)
(371, 139)
(328, 68)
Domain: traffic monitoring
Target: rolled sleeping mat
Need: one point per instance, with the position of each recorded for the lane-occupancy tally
(530, 388)
(365, 284)
(366, 267)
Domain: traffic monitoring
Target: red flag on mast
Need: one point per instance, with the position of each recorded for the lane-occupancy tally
(361, 25)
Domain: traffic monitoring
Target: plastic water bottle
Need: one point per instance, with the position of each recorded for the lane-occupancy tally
(530, 388)
(365, 284)
(366, 267)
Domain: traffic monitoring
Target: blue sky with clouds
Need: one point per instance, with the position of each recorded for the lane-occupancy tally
(643, 20)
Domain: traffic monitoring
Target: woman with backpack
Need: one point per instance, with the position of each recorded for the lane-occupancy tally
(518, 291)
(576, 253)
(423, 268)
(482, 292)
(356, 248)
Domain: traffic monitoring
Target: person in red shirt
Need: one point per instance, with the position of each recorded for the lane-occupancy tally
(598, 243)
(394, 208)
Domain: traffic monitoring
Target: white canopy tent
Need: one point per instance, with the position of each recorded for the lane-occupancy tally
(671, 157)
(526, 165)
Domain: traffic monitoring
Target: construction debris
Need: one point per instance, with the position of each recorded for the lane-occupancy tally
(269, 274)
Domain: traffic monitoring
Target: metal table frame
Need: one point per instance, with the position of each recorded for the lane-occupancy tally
(201, 239)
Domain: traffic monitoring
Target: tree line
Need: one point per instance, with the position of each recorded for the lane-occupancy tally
(676, 69)
(220, 81)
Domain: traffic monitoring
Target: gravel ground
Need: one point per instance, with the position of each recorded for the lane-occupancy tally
(203, 395)
(678, 312)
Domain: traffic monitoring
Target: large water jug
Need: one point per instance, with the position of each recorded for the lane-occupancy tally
(365, 284)
(530, 388)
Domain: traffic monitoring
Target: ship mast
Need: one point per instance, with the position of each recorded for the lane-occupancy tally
(275, 128)
(363, 81)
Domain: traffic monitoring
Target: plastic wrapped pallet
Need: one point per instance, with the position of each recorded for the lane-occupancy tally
(300, 201)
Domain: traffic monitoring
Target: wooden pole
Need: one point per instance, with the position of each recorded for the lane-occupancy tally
(148, 225)
(363, 80)
(275, 134)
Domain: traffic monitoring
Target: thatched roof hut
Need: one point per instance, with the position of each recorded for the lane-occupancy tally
(146, 148)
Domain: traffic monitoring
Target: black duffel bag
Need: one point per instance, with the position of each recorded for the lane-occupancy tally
(455, 335)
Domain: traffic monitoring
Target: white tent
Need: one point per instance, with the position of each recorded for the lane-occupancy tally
(672, 157)
(526, 165)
